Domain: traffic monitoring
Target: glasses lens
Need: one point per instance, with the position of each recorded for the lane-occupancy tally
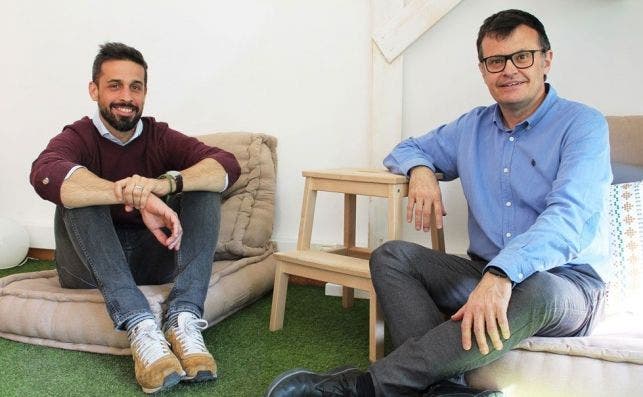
(523, 59)
(495, 64)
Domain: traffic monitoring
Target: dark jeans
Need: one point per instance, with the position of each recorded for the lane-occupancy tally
(416, 287)
(91, 252)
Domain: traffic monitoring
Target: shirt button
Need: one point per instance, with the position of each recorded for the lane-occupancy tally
(520, 276)
(508, 235)
(508, 203)
(505, 170)
(511, 138)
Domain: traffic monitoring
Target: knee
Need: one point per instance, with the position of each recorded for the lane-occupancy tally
(199, 200)
(390, 256)
(94, 215)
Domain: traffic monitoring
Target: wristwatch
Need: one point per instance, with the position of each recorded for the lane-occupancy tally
(176, 181)
(496, 271)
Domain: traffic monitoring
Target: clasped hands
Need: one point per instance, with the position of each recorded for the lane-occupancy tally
(137, 192)
(485, 311)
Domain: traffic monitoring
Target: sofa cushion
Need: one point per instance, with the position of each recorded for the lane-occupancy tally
(624, 173)
(625, 289)
(522, 373)
(247, 212)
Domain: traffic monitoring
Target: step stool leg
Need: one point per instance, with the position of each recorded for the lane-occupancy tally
(278, 298)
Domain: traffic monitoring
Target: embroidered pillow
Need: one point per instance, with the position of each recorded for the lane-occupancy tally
(625, 290)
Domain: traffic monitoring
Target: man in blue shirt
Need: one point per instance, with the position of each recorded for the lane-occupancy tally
(535, 173)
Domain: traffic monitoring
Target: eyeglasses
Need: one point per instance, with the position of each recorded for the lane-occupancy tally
(521, 60)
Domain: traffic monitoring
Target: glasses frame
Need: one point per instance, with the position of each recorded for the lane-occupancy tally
(510, 57)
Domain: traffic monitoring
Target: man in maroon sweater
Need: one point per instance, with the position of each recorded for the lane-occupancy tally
(137, 203)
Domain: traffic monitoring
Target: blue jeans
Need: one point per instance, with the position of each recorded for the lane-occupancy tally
(416, 287)
(92, 252)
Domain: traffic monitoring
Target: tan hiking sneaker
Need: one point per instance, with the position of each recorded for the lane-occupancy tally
(155, 366)
(187, 344)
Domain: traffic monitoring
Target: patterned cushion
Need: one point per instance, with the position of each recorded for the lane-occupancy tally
(625, 290)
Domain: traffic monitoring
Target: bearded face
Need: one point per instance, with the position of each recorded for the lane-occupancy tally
(120, 93)
(121, 116)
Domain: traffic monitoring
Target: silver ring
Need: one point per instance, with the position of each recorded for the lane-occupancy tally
(138, 187)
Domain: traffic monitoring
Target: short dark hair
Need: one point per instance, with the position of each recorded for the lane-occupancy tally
(117, 51)
(503, 23)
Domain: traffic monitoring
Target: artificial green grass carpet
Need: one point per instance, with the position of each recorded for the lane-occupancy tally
(318, 334)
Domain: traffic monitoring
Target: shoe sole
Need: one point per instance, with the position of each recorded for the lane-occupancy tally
(286, 375)
(169, 382)
(201, 376)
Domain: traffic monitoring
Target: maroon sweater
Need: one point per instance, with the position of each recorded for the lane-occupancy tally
(157, 150)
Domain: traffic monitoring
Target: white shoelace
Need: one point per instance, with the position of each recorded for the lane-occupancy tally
(149, 342)
(188, 333)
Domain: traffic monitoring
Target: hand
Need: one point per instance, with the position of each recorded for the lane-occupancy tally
(134, 191)
(425, 199)
(485, 311)
(156, 216)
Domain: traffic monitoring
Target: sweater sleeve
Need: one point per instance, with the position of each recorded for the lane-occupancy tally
(183, 151)
(48, 171)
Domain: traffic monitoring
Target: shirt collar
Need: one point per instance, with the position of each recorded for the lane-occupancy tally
(100, 126)
(550, 98)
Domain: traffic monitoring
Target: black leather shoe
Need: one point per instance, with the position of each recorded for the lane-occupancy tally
(446, 388)
(304, 383)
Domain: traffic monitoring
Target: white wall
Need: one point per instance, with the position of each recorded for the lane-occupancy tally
(299, 70)
(597, 47)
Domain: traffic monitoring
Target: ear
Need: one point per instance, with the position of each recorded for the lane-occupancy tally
(93, 90)
(549, 55)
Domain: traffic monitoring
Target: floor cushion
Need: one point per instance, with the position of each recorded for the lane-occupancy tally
(35, 309)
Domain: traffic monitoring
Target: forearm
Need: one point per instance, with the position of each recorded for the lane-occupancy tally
(84, 189)
(206, 175)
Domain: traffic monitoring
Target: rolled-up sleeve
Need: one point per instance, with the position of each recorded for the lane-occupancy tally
(184, 151)
(50, 168)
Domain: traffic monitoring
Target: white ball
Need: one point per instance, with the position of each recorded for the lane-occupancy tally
(14, 243)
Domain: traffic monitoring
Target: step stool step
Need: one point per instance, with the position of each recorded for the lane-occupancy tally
(327, 261)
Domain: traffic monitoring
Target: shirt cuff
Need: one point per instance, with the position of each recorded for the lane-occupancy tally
(71, 171)
(225, 185)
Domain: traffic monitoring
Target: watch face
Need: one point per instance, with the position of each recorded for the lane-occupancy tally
(174, 173)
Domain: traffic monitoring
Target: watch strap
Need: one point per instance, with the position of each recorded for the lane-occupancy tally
(178, 179)
(170, 179)
(496, 271)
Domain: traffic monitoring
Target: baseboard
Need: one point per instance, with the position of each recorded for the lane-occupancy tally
(42, 254)
(336, 290)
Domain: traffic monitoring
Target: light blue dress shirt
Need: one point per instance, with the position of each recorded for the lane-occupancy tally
(537, 194)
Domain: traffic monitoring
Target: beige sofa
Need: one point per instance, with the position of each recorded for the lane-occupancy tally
(610, 361)
(35, 309)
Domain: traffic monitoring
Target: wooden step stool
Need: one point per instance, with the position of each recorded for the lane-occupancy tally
(350, 269)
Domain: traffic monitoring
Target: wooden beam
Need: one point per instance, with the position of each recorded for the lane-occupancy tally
(407, 25)
(386, 113)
